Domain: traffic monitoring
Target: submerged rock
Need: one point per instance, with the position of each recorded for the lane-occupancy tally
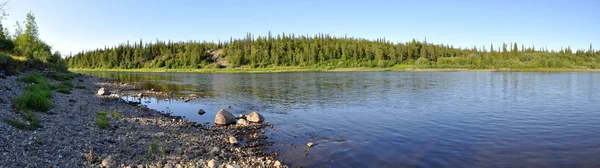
(255, 117)
(201, 112)
(310, 144)
(103, 91)
(243, 122)
(224, 117)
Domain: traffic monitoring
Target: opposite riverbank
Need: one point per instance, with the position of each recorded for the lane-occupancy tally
(83, 129)
(407, 68)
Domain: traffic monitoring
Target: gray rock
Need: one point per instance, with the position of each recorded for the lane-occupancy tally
(103, 91)
(243, 122)
(201, 112)
(213, 163)
(108, 162)
(223, 117)
(233, 140)
(255, 117)
(215, 150)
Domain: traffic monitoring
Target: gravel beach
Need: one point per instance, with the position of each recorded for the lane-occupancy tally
(136, 136)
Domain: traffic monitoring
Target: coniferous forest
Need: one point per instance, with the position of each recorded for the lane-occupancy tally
(325, 51)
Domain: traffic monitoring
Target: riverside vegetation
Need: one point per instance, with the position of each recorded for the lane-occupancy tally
(290, 52)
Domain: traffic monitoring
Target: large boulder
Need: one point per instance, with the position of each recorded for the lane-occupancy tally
(224, 117)
(255, 117)
(103, 91)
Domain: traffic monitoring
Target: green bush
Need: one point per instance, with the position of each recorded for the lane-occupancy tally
(423, 62)
(64, 90)
(35, 78)
(102, 121)
(80, 87)
(67, 83)
(36, 97)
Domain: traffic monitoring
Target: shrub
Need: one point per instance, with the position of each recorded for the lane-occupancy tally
(35, 78)
(422, 62)
(67, 83)
(102, 121)
(80, 87)
(64, 90)
(36, 97)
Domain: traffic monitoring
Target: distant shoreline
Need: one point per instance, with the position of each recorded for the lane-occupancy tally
(360, 69)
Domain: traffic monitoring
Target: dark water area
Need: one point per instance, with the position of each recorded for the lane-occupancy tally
(403, 119)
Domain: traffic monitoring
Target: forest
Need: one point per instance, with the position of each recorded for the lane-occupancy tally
(325, 51)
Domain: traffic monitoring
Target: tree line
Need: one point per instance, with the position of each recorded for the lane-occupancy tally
(25, 43)
(327, 51)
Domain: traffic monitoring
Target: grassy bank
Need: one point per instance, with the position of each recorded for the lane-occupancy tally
(36, 97)
(400, 68)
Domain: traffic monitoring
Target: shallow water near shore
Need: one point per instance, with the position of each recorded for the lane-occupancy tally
(402, 119)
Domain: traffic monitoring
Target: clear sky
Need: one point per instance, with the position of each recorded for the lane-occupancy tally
(75, 25)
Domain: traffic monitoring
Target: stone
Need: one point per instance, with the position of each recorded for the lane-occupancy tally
(215, 150)
(213, 163)
(140, 95)
(194, 95)
(277, 164)
(233, 166)
(242, 116)
(108, 162)
(233, 140)
(255, 117)
(310, 144)
(102, 91)
(243, 122)
(201, 112)
(224, 117)
(72, 101)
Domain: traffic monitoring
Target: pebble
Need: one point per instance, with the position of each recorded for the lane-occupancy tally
(233, 140)
(310, 144)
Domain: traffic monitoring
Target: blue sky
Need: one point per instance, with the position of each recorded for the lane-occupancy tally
(75, 25)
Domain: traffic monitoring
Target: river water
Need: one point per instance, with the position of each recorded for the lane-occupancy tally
(403, 119)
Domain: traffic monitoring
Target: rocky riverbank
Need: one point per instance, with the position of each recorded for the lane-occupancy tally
(136, 136)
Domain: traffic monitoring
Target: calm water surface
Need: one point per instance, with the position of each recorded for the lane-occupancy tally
(404, 119)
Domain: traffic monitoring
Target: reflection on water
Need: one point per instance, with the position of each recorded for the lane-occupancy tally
(404, 119)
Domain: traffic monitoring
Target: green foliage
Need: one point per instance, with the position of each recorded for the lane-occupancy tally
(17, 123)
(8, 65)
(64, 90)
(34, 78)
(67, 83)
(36, 97)
(33, 121)
(101, 120)
(152, 148)
(423, 62)
(80, 87)
(116, 114)
(324, 52)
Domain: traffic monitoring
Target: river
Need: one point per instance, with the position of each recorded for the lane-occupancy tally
(403, 119)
